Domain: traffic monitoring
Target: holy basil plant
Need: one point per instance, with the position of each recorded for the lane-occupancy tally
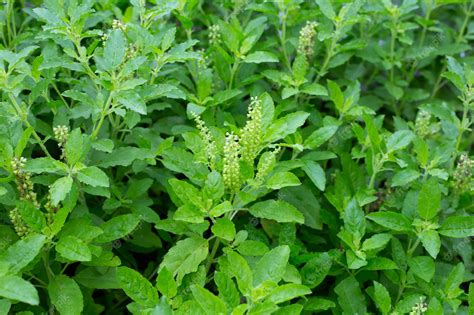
(236, 157)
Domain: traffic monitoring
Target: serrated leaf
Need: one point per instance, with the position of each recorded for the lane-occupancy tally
(114, 50)
(260, 56)
(208, 301)
(391, 220)
(429, 199)
(59, 189)
(93, 176)
(73, 248)
(185, 257)
(224, 228)
(21, 253)
(423, 267)
(350, 296)
(279, 210)
(137, 287)
(15, 288)
(458, 227)
(66, 295)
(382, 298)
(272, 265)
(316, 173)
(118, 227)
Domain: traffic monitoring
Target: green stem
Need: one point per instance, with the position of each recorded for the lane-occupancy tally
(104, 113)
(283, 41)
(27, 123)
(437, 86)
(329, 54)
(233, 72)
(213, 253)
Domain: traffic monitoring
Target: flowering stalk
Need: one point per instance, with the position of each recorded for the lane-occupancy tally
(231, 170)
(252, 135)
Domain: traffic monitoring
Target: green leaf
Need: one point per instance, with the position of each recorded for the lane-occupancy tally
(73, 248)
(118, 227)
(138, 288)
(285, 126)
(336, 95)
(93, 176)
(391, 220)
(17, 289)
(423, 267)
(382, 298)
(282, 179)
(260, 56)
(316, 270)
(429, 199)
(103, 145)
(279, 210)
(66, 295)
(239, 268)
(209, 302)
(21, 253)
(403, 178)
(316, 173)
(272, 265)
(214, 186)
(431, 242)
(458, 227)
(224, 228)
(288, 292)
(187, 193)
(76, 147)
(131, 100)
(166, 284)
(185, 257)
(318, 304)
(350, 296)
(326, 8)
(252, 248)
(5, 306)
(320, 136)
(44, 165)
(31, 215)
(227, 290)
(23, 141)
(354, 219)
(399, 140)
(59, 189)
(454, 280)
(114, 50)
(377, 241)
(188, 213)
(124, 156)
(314, 89)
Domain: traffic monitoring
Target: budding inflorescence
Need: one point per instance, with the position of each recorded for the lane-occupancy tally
(463, 173)
(419, 308)
(305, 42)
(423, 125)
(131, 51)
(214, 34)
(231, 170)
(117, 24)
(265, 165)
(208, 139)
(19, 225)
(61, 134)
(25, 187)
(252, 134)
(50, 210)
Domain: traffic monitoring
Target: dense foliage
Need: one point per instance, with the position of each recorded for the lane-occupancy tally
(236, 157)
